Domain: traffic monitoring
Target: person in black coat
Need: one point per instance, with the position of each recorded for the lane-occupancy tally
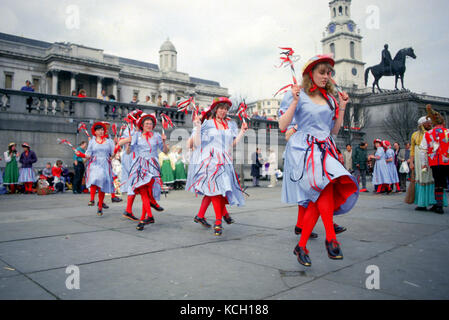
(255, 167)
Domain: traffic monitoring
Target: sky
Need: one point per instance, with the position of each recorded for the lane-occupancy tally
(237, 42)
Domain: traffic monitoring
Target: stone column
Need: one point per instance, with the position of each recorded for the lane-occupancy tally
(114, 88)
(54, 81)
(171, 98)
(73, 82)
(99, 86)
(164, 94)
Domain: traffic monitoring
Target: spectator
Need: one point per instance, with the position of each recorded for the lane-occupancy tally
(11, 175)
(159, 101)
(82, 94)
(340, 157)
(255, 167)
(147, 100)
(273, 161)
(74, 93)
(264, 116)
(47, 173)
(165, 104)
(26, 173)
(134, 100)
(399, 157)
(78, 165)
(407, 154)
(255, 115)
(27, 87)
(347, 155)
(56, 171)
(111, 98)
(103, 96)
(360, 161)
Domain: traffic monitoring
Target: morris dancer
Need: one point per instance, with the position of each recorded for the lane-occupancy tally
(392, 171)
(313, 176)
(144, 174)
(424, 183)
(211, 172)
(436, 148)
(99, 170)
(381, 176)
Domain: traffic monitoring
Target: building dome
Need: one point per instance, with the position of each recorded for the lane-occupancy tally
(167, 46)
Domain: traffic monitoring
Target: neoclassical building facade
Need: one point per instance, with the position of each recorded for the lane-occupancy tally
(60, 68)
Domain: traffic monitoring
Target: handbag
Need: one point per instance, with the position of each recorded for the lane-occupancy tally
(404, 167)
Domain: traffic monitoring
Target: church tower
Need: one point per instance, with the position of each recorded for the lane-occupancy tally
(343, 40)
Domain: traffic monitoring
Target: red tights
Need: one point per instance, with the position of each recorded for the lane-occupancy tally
(146, 193)
(28, 187)
(301, 214)
(93, 190)
(129, 203)
(205, 204)
(324, 207)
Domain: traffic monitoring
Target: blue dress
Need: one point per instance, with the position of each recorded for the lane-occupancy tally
(211, 171)
(99, 168)
(311, 160)
(381, 173)
(145, 165)
(392, 171)
(126, 161)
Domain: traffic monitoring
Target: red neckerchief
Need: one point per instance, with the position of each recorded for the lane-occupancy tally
(102, 139)
(147, 135)
(223, 122)
(325, 95)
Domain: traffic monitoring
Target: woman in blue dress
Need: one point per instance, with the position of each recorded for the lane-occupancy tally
(313, 176)
(392, 171)
(99, 152)
(381, 176)
(213, 175)
(144, 173)
(27, 175)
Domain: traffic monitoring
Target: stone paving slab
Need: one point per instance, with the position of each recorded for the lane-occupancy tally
(176, 258)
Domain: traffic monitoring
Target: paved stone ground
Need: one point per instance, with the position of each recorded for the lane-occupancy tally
(177, 259)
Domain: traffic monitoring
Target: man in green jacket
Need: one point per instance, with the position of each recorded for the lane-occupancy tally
(359, 164)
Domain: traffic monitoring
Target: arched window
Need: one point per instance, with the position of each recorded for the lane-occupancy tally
(332, 47)
(352, 49)
(335, 12)
(340, 10)
(346, 11)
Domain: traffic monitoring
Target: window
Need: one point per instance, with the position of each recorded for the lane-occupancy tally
(268, 102)
(346, 10)
(8, 80)
(36, 83)
(332, 47)
(340, 11)
(335, 12)
(352, 49)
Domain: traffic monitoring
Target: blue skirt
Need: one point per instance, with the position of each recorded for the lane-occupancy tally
(27, 175)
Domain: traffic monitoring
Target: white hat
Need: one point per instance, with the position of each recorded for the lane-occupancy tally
(423, 120)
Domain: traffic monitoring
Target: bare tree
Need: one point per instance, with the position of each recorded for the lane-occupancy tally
(400, 122)
(356, 119)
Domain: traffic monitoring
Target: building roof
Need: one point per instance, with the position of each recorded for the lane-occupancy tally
(31, 42)
(203, 81)
(137, 63)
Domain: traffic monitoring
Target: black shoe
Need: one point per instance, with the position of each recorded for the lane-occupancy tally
(302, 255)
(228, 219)
(116, 199)
(91, 203)
(334, 250)
(105, 206)
(140, 226)
(156, 207)
(338, 229)
(202, 221)
(129, 216)
(422, 209)
(218, 229)
(148, 220)
(99, 212)
(439, 210)
(313, 235)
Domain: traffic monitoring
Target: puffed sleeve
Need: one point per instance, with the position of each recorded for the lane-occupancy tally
(287, 101)
(234, 129)
(206, 126)
(134, 140)
(90, 148)
(7, 157)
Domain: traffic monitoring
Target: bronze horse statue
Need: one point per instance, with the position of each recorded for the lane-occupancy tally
(397, 69)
